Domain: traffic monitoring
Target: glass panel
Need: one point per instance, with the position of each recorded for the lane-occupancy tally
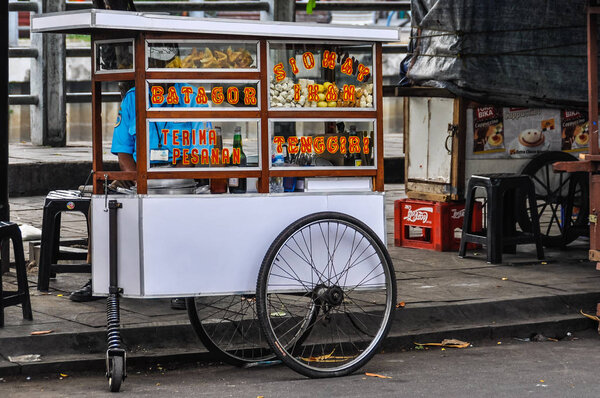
(190, 54)
(114, 56)
(320, 75)
(187, 143)
(202, 94)
(323, 143)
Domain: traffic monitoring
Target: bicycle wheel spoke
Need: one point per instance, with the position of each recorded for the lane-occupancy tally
(535, 177)
(227, 325)
(336, 326)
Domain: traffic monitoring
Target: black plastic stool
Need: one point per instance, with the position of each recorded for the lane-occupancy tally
(10, 231)
(500, 234)
(56, 203)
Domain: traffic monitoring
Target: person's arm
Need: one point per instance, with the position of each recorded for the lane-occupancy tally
(126, 162)
(123, 143)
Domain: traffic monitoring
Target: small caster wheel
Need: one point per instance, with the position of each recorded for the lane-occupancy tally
(116, 372)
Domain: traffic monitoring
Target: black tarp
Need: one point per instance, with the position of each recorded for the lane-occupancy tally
(513, 52)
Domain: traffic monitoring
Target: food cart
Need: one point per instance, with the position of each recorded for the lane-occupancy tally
(261, 108)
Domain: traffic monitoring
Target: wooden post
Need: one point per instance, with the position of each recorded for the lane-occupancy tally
(140, 111)
(265, 143)
(379, 186)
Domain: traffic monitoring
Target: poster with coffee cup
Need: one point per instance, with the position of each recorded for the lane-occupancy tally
(488, 131)
(575, 134)
(530, 131)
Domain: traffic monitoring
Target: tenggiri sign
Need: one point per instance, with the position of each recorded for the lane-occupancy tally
(198, 146)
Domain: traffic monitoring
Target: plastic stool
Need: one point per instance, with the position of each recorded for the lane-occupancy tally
(500, 234)
(10, 231)
(56, 203)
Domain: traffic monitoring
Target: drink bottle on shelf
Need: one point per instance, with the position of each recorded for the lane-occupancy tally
(237, 185)
(357, 156)
(276, 183)
(218, 185)
(349, 159)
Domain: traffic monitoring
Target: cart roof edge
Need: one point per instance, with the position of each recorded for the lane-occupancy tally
(85, 21)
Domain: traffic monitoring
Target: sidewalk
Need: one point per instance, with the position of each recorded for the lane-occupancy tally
(445, 296)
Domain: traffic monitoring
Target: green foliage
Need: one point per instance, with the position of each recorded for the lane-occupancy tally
(79, 37)
(310, 5)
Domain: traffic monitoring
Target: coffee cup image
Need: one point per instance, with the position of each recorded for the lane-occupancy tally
(494, 135)
(531, 138)
(582, 136)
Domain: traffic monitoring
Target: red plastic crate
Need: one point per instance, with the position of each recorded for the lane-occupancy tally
(432, 225)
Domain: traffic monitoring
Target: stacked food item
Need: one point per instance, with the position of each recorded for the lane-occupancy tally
(281, 95)
(215, 59)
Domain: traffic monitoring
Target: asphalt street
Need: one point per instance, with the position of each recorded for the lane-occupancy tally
(510, 368)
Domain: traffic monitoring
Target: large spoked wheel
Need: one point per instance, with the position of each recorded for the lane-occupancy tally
(551, 191)
(228, 327)
(115, 372)
(333, 267)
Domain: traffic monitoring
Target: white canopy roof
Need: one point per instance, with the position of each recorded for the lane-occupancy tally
(87, 20)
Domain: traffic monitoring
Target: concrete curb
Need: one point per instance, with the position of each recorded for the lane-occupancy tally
(176, 343)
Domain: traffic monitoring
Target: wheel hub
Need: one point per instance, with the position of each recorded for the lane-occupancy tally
(335, 295)
(330, 295)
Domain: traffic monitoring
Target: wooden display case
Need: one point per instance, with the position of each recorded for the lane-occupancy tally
(340, 63)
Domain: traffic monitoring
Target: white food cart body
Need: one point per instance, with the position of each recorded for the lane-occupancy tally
(189, 245)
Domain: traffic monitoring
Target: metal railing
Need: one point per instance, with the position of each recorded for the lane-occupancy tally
(403, 5)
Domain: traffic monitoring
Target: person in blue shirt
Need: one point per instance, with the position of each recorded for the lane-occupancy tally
(161, 147)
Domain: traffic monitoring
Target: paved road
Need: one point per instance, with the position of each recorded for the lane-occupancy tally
(511, 369)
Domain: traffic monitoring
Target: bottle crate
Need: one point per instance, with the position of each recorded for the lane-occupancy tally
(431, 225)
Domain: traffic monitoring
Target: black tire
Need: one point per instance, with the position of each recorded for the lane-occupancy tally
(228, 327)
(336, 264)
(116, 372)
(551, 191)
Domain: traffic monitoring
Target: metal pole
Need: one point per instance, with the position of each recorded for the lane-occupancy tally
(4, 207)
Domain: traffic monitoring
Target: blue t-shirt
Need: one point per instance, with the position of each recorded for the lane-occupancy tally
(124, 133)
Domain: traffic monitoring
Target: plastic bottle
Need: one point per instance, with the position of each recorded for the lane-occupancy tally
(276, 183)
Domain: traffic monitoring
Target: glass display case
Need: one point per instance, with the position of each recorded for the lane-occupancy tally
(201, 54)
(319, 75)
(184, 144)
(114, 56)
(324, 143)
(217, 107)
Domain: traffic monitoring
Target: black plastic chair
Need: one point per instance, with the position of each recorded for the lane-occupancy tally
(56, 203)
(10, 231)
(500, 235)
